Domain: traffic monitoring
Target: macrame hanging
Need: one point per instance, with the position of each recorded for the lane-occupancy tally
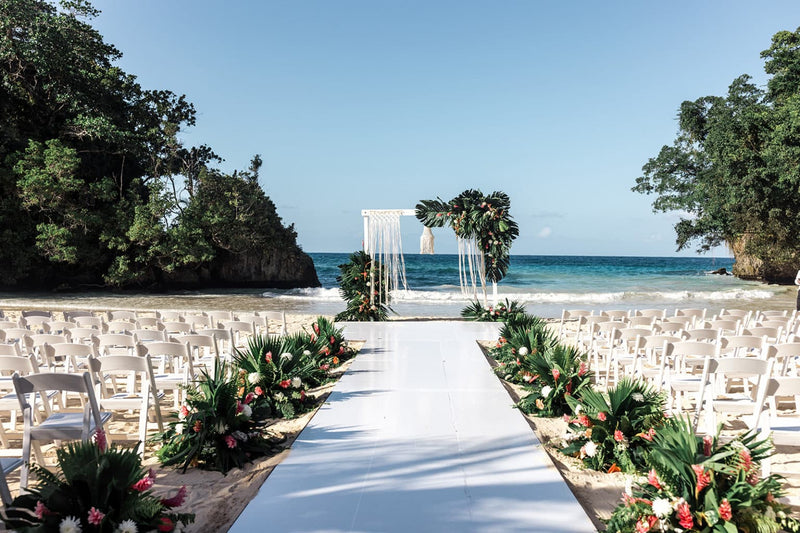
(426, 241)
(383, 242)
(471, 267)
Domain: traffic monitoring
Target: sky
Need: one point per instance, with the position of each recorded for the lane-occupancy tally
(377, 105)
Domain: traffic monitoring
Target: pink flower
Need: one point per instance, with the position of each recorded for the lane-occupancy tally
(652, 478)
(601, 416)
(746, 460)
(333, 340)
(248, 398)
(285, 384)
(618, 435)
(177, 500)
(556, 374)
(95, 517)
(184, 411)
(302, 395)
(325, 366)
(198, 425)
(146, 482)
(41, 510)
(643, 525)
(259, 391)
(582, 370)
(268, 357)
(100, 440)
(725, 511)
(230, 441)
(316, 328)
(239, 407)
(708, 441)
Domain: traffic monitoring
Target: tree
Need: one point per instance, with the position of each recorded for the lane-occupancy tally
(95, 186)
(733, 169)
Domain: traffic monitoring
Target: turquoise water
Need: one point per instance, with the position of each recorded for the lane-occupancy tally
(548, 284)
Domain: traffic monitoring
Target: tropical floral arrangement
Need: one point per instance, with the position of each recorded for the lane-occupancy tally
(485, 218)
(96, 488)
(331, 346)
(220, 426)
(502, 312)
(699, 484)
(612, 431)
(552, 376)
(280, 370)
(363, 301)
(525, 333)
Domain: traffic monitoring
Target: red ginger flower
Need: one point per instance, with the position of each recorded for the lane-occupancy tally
(285, 384)
(268, 357)
(146, 482)
(259, 391)
(652, 478)
(618, 435)
(685, 515)
(177, 500)
(582, 370)
(100, 440)
(166, 525)
(703, 477)
(725, 511)
(41, 510)
(556, 374)
(746, 460)
(708, 441)
(230, 441)
(601, 416)
(198, 425)
(644, 523)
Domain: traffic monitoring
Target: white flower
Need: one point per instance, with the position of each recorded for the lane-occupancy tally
(637, 397)
(287, 356)
(306, 353)
(297, 382)
(590, 449)
(247, 411)
(279, 397)
(569, 436)
(661, 507)
(127, 526)
(221, 427)
(546, 390)
(179, 429)
(629, 485)
(524, 350)
(254, 378)
(578, 409)
(70, 525)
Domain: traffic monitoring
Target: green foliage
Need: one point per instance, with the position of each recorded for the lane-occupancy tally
(95, 184)
(354, 286)
(331, 346)
(110, 480)
(474, 215)
(620, 423)
(508, 311)
(220, 426)
(733, 167)
(699, 484)
(552, 376)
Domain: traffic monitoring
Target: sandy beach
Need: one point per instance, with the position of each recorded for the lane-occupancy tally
(218, 499)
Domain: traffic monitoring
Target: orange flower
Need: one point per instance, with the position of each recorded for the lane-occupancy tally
(614, 468)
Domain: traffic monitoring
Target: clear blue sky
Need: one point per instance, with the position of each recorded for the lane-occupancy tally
(378, 104)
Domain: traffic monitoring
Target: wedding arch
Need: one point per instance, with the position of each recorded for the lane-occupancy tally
(483, 227)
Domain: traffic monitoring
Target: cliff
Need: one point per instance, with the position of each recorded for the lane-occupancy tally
(780, 267)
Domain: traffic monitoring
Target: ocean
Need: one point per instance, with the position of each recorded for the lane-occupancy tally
(545, 284)
(548, 284)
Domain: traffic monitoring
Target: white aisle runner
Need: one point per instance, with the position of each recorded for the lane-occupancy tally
(418, 435)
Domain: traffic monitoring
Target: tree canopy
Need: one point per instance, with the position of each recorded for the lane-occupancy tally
(733, 171)
(95, 185)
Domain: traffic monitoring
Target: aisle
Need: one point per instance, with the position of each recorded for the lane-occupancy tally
(418, 435)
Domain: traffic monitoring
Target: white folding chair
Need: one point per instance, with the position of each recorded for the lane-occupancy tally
(59, 425)
(175, 366)
(275, 316)
(127, 383)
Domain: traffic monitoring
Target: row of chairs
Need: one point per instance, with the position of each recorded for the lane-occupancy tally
(261, 323)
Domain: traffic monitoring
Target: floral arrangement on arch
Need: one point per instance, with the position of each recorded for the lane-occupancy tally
(354, 288)
(699, 484)
(220, 426)
(485, 218)
(611, 431)
(96, 488)
(507, 311)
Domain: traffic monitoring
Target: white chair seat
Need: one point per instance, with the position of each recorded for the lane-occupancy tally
(65, 426)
